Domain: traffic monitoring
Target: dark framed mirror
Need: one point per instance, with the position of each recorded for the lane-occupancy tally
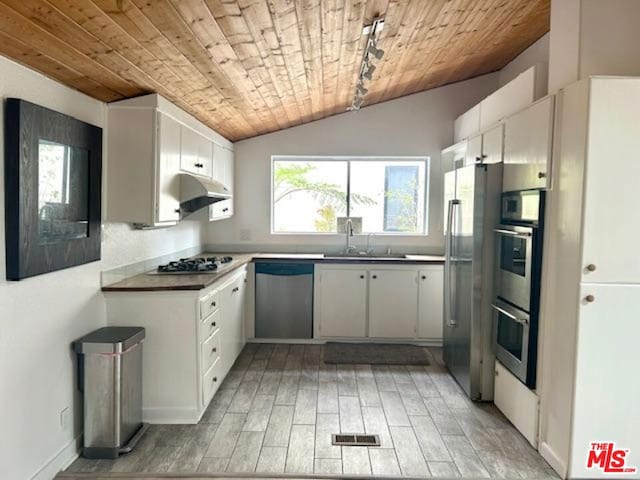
(53, 171)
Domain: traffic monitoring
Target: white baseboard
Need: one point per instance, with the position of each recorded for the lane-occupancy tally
(61, 460)
(553, 459)
(170, 415)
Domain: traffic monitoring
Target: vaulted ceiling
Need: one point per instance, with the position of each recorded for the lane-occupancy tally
(247, 67)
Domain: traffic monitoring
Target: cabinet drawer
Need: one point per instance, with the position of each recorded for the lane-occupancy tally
(211, 381)
(209, 304)
(210, 325)
(210, 350)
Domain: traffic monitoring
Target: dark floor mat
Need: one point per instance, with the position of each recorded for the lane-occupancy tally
(375, 353)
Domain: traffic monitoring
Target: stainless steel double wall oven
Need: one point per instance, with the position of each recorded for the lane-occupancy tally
(518, 265)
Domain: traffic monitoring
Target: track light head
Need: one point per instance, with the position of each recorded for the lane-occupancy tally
(368, 71)
(360, 88)
(375, 51)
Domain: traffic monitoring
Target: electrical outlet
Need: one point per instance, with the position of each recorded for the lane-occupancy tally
(65, 419)
(245, 234)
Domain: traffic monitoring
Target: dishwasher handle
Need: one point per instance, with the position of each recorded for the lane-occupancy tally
(284, 269)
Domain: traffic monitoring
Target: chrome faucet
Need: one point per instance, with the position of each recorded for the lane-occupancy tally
(348, 228)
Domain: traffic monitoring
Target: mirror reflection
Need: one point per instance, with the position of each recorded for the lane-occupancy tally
(63, 192)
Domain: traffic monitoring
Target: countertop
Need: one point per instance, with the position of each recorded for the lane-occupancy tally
(148, 283)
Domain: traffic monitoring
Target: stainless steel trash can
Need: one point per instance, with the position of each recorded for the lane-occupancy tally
(110, 377)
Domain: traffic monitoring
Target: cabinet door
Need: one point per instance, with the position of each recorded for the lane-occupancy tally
(611, 201)
(168, 190)
(492, 145)
(474, 150)
(342, 303)
(205, 157)
(527, 147)
(238, 337)
(606, 373)
(221, 210)
(196, 154)
(227, 312)
(393, 303)
(430, 303)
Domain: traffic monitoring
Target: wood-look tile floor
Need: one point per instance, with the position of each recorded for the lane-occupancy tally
(276, 410)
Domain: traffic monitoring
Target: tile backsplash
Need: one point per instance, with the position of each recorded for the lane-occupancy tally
(114, 275)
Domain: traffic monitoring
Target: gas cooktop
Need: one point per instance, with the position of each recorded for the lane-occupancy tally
(191, 266)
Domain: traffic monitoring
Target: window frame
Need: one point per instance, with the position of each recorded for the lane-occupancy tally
(348, 159)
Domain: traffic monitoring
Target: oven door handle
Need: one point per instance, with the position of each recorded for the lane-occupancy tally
(513, 233)
(523, 321)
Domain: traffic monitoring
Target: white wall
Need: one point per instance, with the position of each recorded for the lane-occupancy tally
(536, 54)
(593, 37)
(420, 124)
(41, 316)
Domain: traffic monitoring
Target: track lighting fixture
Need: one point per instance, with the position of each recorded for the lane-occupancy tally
(376, 52)
(368, 71)
(371, 52)
(361, 89)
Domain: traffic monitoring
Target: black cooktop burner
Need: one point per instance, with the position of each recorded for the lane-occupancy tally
(194, 265)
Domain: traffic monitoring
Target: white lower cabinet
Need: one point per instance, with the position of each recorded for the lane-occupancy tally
(379, 301)
(192, 340)
(393, 303)
(430, 302)
(341, 302)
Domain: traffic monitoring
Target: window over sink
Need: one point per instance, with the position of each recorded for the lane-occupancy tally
(310, 193)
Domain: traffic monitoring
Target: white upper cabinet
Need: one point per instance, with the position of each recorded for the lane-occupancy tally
(223, 164)
(467, 124)
(168, 192)
(527, 147)
(341, 302)
(474, 150)
(430, 295)
(611, 200)
(486, 147)
(197, 153)
(150, 142)
(393, 303)
(493, 144)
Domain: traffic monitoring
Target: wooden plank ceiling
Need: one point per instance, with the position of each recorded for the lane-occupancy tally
(247, 67)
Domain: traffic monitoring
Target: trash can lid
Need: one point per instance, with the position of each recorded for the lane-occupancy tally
(109, 340)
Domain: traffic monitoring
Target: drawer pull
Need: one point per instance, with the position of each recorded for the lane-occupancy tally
(214, 379)
(214, 349)
(424, 277)
(213, 304)
(213, 324)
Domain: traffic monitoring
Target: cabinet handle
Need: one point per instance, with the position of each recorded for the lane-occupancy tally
(214, 379)
(213, 324)
(374, 276)
(591, 267)
(542, 174)
(424, 277)
(589, 298)
(177, 210)
(213, 304)
(361, 276)
(225, 209)
(214, 349)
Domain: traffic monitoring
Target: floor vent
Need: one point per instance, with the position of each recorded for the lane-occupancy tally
(355, 440)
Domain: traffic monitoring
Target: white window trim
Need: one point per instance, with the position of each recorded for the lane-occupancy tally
(369, 158)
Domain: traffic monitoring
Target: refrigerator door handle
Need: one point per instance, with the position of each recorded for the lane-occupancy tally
(447, 264)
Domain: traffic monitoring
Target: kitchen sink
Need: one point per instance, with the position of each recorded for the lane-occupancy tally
(364, 256)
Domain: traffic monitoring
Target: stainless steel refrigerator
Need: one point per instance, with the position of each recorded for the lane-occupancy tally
(472, 207)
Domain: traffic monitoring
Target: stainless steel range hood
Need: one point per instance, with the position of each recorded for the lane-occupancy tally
(198, 192)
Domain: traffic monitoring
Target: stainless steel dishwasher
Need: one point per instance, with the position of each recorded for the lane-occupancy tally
(284, 300)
